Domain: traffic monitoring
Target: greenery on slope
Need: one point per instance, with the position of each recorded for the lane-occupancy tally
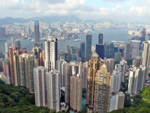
(141, 103)
(18, 100)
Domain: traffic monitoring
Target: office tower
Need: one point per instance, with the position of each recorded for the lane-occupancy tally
(111, 50)
(137, 61)
(3, 32)
(100, 39)
(117, 101)
(118, 56)
(68, 74)
(50, 53)
(42, 58)
(100, 50)
(136, 79)
(36, 52)
(127, 51)
(7, 45)
(143, 34)
(61, 55)
(61, 68)
(109, 64)
(53, 90)
(116, 80)
(116, 48)
(106, 50)
(102, 90)
(68, 55)
(121, 50)
(76, 93)
(84, 74)
(94, 64)
(82, 49)
(146, 57)
(36, 31)
(27, 63)
(17, 43)
(88, 46)
(1, 54)
(40, 86)
(11, 53)
(6, 67)
(74, 54)
(1, 65)
(135, 48)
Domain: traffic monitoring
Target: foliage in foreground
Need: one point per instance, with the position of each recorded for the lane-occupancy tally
(141, 103)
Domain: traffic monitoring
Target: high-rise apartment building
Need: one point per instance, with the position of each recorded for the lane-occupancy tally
(127, 51)
(7, 45)
(36, 52)
(137, 61)
(40, 86)
(109, 64)
(84, 74)
(42, 58)
(94, 64)
(76, 93)
(27, 63)
(6, 67)
(116, 80)
(36, 31)
(50, 53)
(53, 90)
(102, 90)
(146, 57)
(88, 47)
(135, 47)
(74, 54)
(11, 54)
(100, 39)
(117, 101)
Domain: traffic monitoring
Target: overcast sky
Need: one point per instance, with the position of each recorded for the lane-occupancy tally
(118, 10)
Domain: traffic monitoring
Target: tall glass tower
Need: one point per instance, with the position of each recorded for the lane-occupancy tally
(36, 30)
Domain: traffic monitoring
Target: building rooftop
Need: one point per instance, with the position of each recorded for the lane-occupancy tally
(95, 55)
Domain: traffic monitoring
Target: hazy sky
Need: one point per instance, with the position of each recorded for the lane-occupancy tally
(118, 10)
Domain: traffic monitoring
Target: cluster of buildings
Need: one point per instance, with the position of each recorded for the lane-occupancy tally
(59, 79)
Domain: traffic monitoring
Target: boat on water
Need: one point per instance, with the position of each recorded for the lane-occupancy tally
(77, 40)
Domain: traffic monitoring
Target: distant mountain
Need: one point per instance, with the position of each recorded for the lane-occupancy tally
(49, 19)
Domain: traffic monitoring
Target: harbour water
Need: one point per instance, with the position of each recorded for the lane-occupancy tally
(109, 34)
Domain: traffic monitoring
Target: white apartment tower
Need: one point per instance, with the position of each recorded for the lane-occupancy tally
(50, 53)
(127, 51)
(40, 86)
(135, 48)
(53, 89)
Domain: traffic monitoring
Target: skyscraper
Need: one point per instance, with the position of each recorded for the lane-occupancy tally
(93, 65)
(100, 50)
(40, 86)
(100, 39)
(135, 48)
(102, 90)
(111, 50)
(3, 32)
(117, 56)
(146, 57)
(17, 43)
(106, 50)
(27, 63)
(84, 74)
(53, 90)
(127, 51)
(6, 66)
(42, 58)
(76, 93)
(50, 53)
(36, 31)
(82, 49)
(7, 45)
(88, 46)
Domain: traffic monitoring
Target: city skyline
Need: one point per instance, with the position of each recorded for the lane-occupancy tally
(116, 10)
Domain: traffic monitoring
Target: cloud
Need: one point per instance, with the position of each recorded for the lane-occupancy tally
(80, 8)
(114, 0)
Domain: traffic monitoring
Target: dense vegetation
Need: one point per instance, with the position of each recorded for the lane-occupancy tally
(141, 103)
(18, 100)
